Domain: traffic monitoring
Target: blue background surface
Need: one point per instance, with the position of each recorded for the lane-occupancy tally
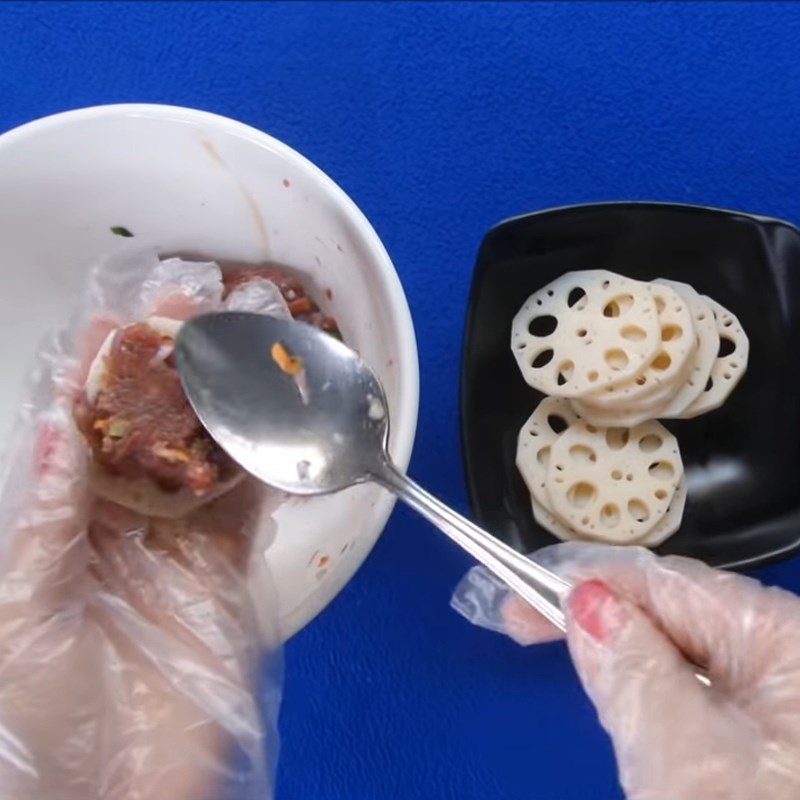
(440, 120)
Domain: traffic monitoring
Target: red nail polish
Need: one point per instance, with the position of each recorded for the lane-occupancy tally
(596, 609)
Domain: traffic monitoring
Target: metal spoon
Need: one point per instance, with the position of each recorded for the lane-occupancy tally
(322, 429)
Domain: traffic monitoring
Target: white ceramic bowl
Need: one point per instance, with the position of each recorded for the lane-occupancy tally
(192, 182)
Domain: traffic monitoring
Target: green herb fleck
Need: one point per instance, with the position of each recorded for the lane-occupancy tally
(118, 428)
(121, 230)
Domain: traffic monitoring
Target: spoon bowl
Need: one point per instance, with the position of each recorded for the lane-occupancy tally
(313, 432)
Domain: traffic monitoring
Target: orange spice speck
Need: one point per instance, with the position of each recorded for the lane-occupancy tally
(287, 362)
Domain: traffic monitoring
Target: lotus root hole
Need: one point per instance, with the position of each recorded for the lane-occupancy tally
(609, 515)
(543, 456)
(726, 346)
(542, 326)
(633, 333)
(581, 494)
(542, 359)
(557, 424)
(671, 332)
(650, 443)
(616, 359)
(618, 306)
(593, 376)
(565, 370)
(616, 475)
(662, 470)
(661, 494)
(583, 454)
(575, 297)
(638, 510)
(617, 438)
(662, 361)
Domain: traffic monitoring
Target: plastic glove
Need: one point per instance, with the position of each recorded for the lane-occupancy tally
(130, 647)
(635, 624)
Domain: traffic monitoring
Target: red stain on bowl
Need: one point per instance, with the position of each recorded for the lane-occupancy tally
(286, 183)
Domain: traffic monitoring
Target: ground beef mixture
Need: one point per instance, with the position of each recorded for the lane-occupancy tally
(301, 306)
(141, 424)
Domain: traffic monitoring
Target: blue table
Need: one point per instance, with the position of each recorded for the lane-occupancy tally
(440, 120)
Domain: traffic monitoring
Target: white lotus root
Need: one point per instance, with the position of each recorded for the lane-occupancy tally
(585, 331)
(550, 421)
(729, 366)
(696, 378)
(671, 520)
(668, 524)
(540, 431)
(616, 354)
(624, 351)
(613, 483)
(678, 343)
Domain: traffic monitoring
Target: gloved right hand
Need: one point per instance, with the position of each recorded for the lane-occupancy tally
(635, 624)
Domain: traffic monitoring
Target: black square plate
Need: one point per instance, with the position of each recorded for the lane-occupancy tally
(743, 460)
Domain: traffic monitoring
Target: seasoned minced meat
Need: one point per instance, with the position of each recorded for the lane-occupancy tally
(141, 424)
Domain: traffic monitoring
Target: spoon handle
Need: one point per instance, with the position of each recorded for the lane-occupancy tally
(538, 586)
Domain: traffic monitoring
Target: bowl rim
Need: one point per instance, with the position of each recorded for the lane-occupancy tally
(407, 359)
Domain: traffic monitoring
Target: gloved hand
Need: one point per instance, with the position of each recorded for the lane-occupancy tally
(635, 623)
(130, 646)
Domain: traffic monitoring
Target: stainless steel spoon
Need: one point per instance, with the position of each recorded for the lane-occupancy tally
(322, 429)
